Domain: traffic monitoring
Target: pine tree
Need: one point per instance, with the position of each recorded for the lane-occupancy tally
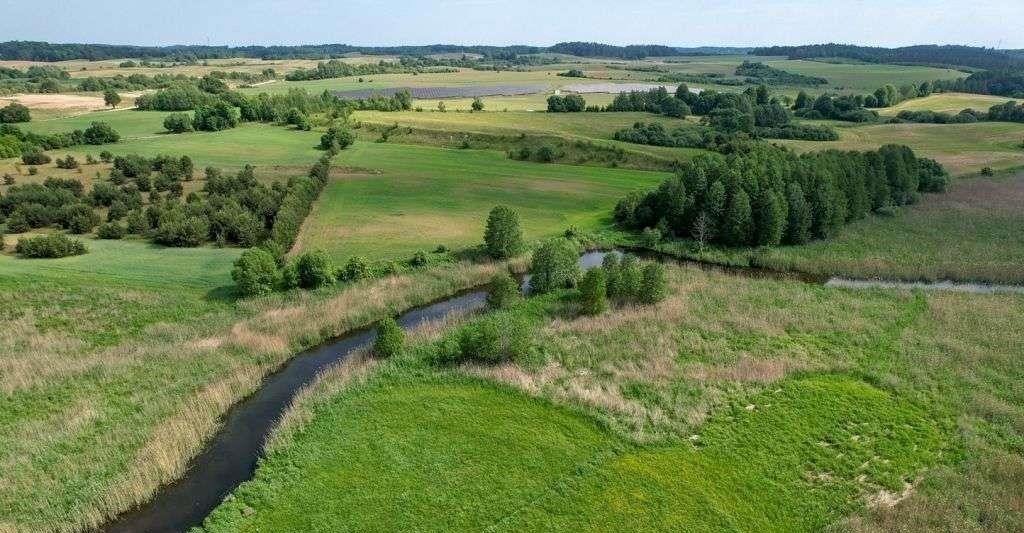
(798, 220)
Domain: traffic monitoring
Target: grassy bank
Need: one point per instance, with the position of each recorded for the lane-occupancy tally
(163, 386)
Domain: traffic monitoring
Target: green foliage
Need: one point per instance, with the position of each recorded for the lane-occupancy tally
(110, 230)
(570, 103)
(337, 138)
(34, 156)
(355, 269)
(477, 105)
(111, 98)
(390, 339)
(419, 259)
(593, 292)
(653, 285)
(218, 116)
(297, 202)
(493, 339)
(554, 266)
(49, 246)
(100, 133)
(255, 272)
(314, 270)
(502, 291)
(177, 228)
(503, 236)
(178, 123)
(14, 113)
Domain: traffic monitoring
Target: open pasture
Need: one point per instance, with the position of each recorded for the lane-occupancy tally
(951, 103)
(398, 199)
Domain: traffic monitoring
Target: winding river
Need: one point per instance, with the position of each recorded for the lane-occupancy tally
(231, 455)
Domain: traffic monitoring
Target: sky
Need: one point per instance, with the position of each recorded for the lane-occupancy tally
(991, 23)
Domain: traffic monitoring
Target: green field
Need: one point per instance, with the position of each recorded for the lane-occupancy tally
(865, 78)
(398, 199)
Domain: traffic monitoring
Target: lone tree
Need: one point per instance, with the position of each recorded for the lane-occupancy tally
(594, 292)
(503, 236)
(502, 291)
(554, 266)
(477, 105)
(703, 230)
(111, 98)
(390, 339)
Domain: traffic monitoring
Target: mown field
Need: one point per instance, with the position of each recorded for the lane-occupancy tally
(962, 148)
(945, 103)
(397, 199)
(734, 405)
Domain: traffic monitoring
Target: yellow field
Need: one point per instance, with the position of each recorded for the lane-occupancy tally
(946, 103)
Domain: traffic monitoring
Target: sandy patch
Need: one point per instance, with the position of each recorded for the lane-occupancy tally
(57, 101)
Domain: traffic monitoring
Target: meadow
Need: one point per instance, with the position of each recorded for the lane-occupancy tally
(394, 200)
(734, 405)
(951, 103)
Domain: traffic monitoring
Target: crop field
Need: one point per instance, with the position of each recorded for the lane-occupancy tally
(399, 199)
(864, 78)
(962, 148)
(644, 417)
(951, 103)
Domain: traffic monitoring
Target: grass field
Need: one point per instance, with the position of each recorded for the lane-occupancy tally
(945, 103)
(735, 405)
(404, 198)
(962, 148)
(865, 78)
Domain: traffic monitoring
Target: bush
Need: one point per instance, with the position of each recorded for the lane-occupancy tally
(337, 138)
(356, 269)
(50, 246)
(216, 117)
(314, 270)
(987, 171)
(178, 123)
(477, 105)
(419, 259)
(68, 162)
(34, 156)
(390, 339)
(255, 272)
(554, 266)
(182, 230)
(503, 237)
(650, 237)
(494, 339)
(502, 291)
(100, 133)
(653, 285)
(110, 230)
(14, 112)
(593, 292)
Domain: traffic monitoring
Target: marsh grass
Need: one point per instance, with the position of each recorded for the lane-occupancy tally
(165, 390)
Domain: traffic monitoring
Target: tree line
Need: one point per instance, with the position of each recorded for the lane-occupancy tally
(945, 55)
(762, 195)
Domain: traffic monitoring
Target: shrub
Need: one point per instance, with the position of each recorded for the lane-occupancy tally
(178, 123)
(593, 292)
(390, 339)
(554, 266)
(653, 284)
(14, 112)
(356, 269)
(502, 291)
(34, 156)
(255, 272)
(503, 237)
(68, 162)
(477, 105)
(987, 171)
(546, 154)
(314, 270)
(337, 138)
(630, 278)
(8, 179)
(419, 259)
(182, 230)
(650, 237)
(494, 339)
(137, 223)
(100, 133)
(49, 246)
(110, 230)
